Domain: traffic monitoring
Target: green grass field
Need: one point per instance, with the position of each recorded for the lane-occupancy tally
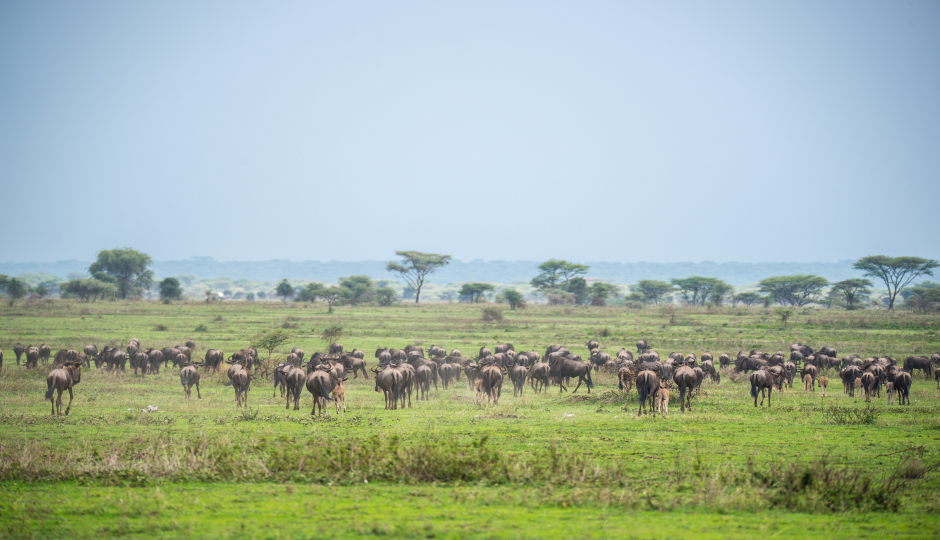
(538, 466)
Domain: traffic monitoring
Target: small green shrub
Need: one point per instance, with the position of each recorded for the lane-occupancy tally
(493, 313)
(848, 416)
(161, 328)
(201, 328)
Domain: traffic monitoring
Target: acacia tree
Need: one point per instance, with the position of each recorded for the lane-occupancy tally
(474, 291)
(268, 341)
(556, 274)
(747, 298)
(895, 272)
(359, 289)
(652, 291)
(332, 294)
(89, 289)
(415, 267)
(14, 288)
(128, 268)
(600, 292)
(797, 290)
(851, 289)
(697, 290)
(720, 292)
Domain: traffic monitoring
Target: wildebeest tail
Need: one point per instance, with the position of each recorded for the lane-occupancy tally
(754, 390)
(325, 394)
(298, 388)
(228, 383)
(620, 385)
(185, 381)
(590, 382)
(49, 392)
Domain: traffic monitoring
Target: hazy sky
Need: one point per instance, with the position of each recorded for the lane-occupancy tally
(619, 131)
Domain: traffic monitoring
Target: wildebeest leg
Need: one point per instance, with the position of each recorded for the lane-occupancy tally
(52, 401)
(198, 393)
(580, 378)
(69, 408)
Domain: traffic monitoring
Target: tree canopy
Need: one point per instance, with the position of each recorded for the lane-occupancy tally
(268, 341)
(696, 290)
(129, 268)
(474, 291)
(895, 272)
(556, 273)
(851, 290)
(14, 288)
(89, 289)
(600, 292)
(415, 266)
(514, 298)
(797, 290)
(748, 298)
(170, 290)
(360, 289)
(285, 290)
(652, 291)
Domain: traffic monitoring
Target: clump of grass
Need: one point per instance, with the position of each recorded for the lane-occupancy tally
(249, 415)
(493, 313)
(848, 416)
(161, 328)
(201, 328)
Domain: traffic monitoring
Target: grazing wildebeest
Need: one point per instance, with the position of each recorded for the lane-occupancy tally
(189, 376)
(642, 345)
(761, 380)
(572, 367)
(686, 380)
(436, 352)
(626, 377)
(91, 351)
(823, 384)
(18, 350)
(724, 360)
(662, 401)
(592, 344)
(790, 369)
(848, 376)
(484, 352)
(191, 344)
(505, 347)
(518, 374)
(169, 353)
(709, 368)
(811, 370)
(446, 372)
(538, 376)
(320, 384)
(337, 349)
(647, 386)
(902, 385)
(913, 363)
(354, 365)
(868, 383)
(388, 381)
(62, 379)
(140, 360)
(599, 358)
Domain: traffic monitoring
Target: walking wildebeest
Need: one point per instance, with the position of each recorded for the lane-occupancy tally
(538, 376)
(913, 363)
(518, 374)
(823, 384)
(686, 380)
(662, 401)
(761, 380)
(389, 381)
(189, 376)
(647, 386)
(492, 384)
(320, 384)
(902, 385)
(868, 383)
(62, 379)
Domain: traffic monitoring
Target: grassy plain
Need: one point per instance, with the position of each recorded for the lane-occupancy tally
(539, 466)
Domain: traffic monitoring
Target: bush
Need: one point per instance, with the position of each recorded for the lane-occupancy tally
(161, 328)
(847, 416)
(493, 313)
(202, 328)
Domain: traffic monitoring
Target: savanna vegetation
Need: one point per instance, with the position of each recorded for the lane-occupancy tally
(134, 458)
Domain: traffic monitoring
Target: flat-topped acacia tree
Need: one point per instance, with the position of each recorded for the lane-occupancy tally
(415, 266)
(895, 272)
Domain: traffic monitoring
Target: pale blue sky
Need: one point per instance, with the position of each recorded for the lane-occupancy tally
(619, 131)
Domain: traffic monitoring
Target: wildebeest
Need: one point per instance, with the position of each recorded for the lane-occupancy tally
(155, 357)
(936, 375)
(518, 374)
(336, 348)
(572, 367)
(423, 382)
(808, 383)
(889, 391)
(140, 360)
(189, 376)
(662, 401)
(599, 358)
(823, 384)
(724, 360)
(647, 386)
(354, 365)
(811, 370)
(913, 363)
(761, 380)
(709, 368)
(44, 352)
(18, 350)
(642, 345)
(848, 376)
(868, 383)
(191, 344)
(91, 351)
(491, 379)
(320, 384)
(213, 359)
(32, 357)
(685, 379)
(505, 347)
(447, 372)
(538, 376)
(339, 396)
(388, 381)
(902, 385)
(62, 379)
(240, 381)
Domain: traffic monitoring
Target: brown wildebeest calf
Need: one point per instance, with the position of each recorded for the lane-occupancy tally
(339, 396)
(62, 379)
(808, 384)
(662, 401)
(889, 389)
(189, 376)
(823, 384)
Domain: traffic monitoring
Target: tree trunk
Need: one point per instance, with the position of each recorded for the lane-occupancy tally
(417, 295)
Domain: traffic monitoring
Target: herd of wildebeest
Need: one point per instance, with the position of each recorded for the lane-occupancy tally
(402, 372)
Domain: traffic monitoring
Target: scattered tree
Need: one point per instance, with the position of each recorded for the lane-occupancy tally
(284, 290)
(415, 266)
(360, 289)
(851, 290)
(41, 290)
(332, 334)
(784, 315)
(128, 268)
(14, 288)
(514, 298)
(748, 298)
(268, 341)
(600, 292)
(386, 296)
(250, 297)
(170, 290)
(89, 289)
(797, 290)
(556, 273)
(697, 290)
(579, 288)
(652, 291)
(332, 294)
(310, 292)
(720, 292)
(895, 272)
(923, 299)
(474, 291)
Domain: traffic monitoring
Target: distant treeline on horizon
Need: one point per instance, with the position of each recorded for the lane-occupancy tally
(735, 273)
